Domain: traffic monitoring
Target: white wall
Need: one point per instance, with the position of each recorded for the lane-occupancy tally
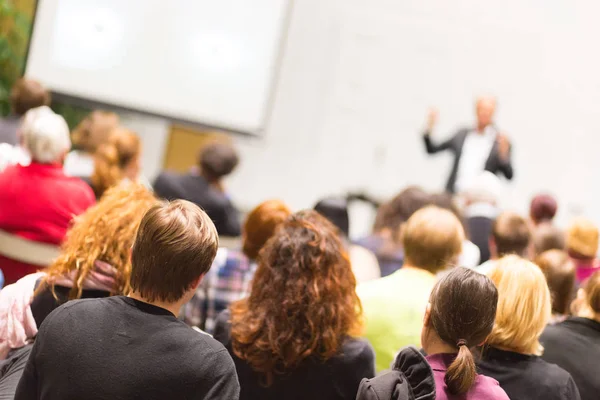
(358, 75)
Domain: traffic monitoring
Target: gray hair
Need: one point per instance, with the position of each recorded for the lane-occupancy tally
(45, 135)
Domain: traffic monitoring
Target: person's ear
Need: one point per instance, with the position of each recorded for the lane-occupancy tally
(493, 248)
(427, 316)
(196, 282)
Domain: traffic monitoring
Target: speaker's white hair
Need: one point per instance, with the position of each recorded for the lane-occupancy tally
(45, 135)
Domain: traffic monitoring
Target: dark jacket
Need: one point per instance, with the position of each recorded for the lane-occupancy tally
(494, 163)
(574, 345)
(194, 188)
(527, 377)
(411, 378)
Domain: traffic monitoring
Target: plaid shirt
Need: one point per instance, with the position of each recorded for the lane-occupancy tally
(227, 281)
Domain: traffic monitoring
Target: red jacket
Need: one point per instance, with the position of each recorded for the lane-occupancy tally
(38, 202)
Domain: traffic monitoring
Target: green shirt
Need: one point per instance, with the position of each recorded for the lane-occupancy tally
(394, 307)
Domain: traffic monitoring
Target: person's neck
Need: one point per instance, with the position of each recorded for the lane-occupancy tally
(409, 266)
(439, 347)
(587, 312)
(171, 307)
(480, 128)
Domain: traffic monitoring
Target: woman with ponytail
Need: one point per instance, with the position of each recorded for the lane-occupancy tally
(116, 160)
(460, 315)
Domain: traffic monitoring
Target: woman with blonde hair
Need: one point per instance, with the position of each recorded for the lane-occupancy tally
(293, 337)
(94, 262)
(116, 161)
(512, 353)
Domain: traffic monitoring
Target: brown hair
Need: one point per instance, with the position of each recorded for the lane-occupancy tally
(94, 130)
(511, 234)
(543, 208)
(592, 292)
(174, 246)
(398, 210)
(123, 146)
(432, 238)
(260, 225)
(303, 301)
(105, 233)
(560, 275)
(217, 160)
(548, 237)
(27, 94)
(463, 310)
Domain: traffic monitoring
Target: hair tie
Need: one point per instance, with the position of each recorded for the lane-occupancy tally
(461, 342)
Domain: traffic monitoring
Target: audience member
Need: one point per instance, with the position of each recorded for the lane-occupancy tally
(548, 237)
(460, 314)
(385, 241)
(574, 344)
(87, 137)
(116, 161)
(481, 209)
(232, 271)
(205, 187)
(510, 235)
(94, 262)
(542, 209)
(292, 338)
(394, 306)
(135, 347)
(38, 201)
(560, 275)
(363, 261)
(512, 353)
(582, 246)
(25, 95)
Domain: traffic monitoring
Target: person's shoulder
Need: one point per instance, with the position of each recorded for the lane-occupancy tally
(552, 372)
(357, 350)
(489, 388)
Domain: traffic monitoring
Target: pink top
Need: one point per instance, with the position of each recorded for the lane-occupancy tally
(585, 269)
(483, 388)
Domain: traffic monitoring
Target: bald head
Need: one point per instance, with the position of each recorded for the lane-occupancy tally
(485, 107)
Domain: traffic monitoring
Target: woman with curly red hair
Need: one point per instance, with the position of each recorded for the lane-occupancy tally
(293, 337)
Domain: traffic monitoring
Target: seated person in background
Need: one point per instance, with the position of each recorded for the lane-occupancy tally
(469, 257)
(24, 95)
(547, 237)
(292, 338)
(87, 137)
(481, 209)
(385, 241)
(582, 246)
(232, 271)
(205, 188)
(394, 306)
(512, 353)
(560, 275)
(363, 261)
(135, 347)
(574, 344)
(460, 315)
(510, 235)
(38, 201)
(94, 262)
(116, 161)
(542, 209)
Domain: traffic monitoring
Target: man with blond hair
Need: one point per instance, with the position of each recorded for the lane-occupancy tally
(394, 306)
(135, 347)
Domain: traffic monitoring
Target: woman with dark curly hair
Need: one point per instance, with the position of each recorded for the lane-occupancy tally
(293, 337)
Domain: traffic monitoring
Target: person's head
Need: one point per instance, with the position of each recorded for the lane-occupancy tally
(103, 233)
(94, 130)
(460, 314)
(547, 236)
(117, 159)
(582, 239)
(485, 107)
(174, 247)
(335, 209)
(587, 304)
(560, 275)
(543, 208)
(510, 235)
(392, 214)
(432, 239)
(261, 224)
(524, 305)
(302, 272)
(27, 94)
(45, 135)
(217, 160)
